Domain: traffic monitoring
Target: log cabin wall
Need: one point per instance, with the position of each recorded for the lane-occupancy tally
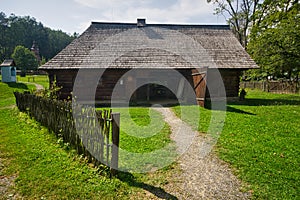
(65, 79)
(108, 81)
(230, 79)
(125, 86)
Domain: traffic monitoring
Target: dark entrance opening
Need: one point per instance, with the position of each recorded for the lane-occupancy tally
(155, 94)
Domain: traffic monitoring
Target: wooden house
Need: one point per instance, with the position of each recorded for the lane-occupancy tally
(154, 53)
(8, 71)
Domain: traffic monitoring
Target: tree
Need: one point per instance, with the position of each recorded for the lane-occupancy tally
(274, 40)
(269, 30)
(241, 16)
(57, 41)
(4, 37)
(15, 30)
(24, 59)
(43, 61)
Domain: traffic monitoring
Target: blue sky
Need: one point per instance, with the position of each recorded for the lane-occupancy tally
(76, 15)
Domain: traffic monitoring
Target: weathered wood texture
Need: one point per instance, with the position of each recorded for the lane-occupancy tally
(65, 79)
(120, 47)
(95, 47)
(111, 78)
(87, 130)
(230, 79)
(115, 140)
(199, 78)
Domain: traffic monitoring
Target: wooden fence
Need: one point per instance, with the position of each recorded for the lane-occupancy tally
(273, 86)
(94, 134)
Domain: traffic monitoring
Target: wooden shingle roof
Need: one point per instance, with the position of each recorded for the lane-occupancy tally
(8, 62)
(130, 45)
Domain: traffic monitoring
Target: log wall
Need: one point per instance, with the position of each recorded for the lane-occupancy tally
(230, 79)
(126, 85)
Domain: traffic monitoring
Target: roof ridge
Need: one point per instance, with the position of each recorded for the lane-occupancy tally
(215, 26)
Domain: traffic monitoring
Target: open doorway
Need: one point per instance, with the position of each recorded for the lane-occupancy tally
(154, 91)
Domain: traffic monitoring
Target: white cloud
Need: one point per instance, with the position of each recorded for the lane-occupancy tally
(181, 12)
(156, 11)
(102, 4)
(76, 15)
(87, 3)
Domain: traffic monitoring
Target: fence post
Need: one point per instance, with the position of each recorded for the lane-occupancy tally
(115, 141)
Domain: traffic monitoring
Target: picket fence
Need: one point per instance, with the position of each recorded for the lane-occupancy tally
(273, 86)
(93, 133)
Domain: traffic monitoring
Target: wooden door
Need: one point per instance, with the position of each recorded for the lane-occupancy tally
(199, 80)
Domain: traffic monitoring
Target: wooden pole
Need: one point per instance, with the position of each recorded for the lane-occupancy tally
(115, 141)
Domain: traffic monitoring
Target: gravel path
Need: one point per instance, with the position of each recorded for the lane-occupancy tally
(6, 184)
(203, 174)
(37, 86)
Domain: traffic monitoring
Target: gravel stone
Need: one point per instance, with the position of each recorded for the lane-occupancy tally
(203, 175)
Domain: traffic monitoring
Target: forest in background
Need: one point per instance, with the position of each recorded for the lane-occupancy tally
(270, 32)
(23, 31)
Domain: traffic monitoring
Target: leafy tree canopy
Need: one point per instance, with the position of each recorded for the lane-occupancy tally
(24, 58)
(15, 30)
(239, 15)
(274, 40)
(270, 32)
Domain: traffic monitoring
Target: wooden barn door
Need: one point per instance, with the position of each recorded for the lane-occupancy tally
(199, 80)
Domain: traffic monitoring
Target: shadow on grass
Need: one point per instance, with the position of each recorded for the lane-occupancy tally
(222, 107)
(236, 110)
(266, 102)
(157, 191)
(259, 102)
(18, 85)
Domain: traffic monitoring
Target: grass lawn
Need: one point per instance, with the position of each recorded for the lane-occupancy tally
(39, 79)
(46, 168)
(145, 143)
(261, 140)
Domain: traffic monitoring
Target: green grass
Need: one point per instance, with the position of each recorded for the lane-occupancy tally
(144, 140)
(39, 79)
(48, 169)
(260, 139)
(7, 89)
(45, 169)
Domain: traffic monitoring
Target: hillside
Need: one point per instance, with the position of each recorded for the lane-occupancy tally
(17, 30)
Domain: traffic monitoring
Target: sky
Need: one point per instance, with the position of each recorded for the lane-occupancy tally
(76, 15)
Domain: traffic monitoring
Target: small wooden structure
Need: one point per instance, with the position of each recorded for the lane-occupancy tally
(8, 71)
(153, 51)
(35, 49)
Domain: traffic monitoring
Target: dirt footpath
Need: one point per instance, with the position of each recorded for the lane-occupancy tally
(203, 175)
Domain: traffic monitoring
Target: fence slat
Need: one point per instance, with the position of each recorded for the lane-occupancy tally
(273, 86)
(89, 138)
(115, 140)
